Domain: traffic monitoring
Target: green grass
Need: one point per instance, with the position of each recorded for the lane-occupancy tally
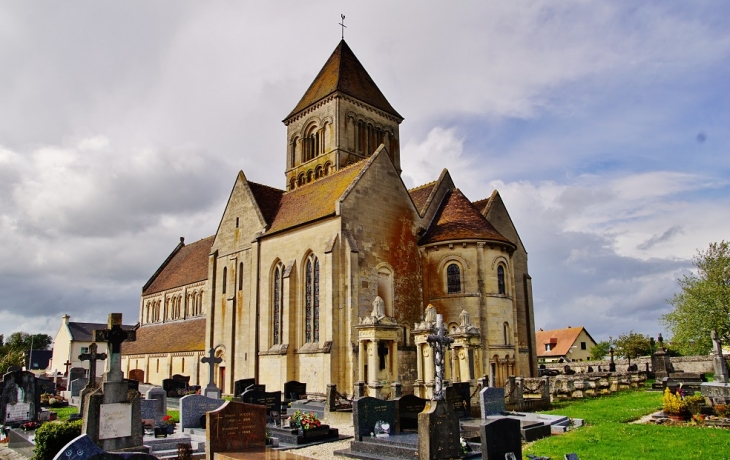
(609, 436)
(175, 414)
(65, 412)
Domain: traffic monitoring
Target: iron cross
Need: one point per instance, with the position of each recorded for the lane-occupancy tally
(92, 356)
(343, 25)
(439, 342)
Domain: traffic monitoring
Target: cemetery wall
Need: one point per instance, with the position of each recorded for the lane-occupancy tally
(698, 364)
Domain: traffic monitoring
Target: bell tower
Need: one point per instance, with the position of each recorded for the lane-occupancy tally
(341, 119)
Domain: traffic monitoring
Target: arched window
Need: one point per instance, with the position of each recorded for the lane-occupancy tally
(318, 172)
(302, 179)
(506, 333)
(311, 299)
(385, 288)
(225, 280)
(453, 279)
(293, 152)
(292, 183)
(500, 279)
(278, 303)
(240, 276)
(309, 176)
(327, 167)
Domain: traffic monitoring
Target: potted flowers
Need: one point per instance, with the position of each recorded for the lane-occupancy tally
(674, 406)
(169, 424)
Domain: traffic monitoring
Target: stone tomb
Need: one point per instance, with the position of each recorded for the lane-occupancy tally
(294, 390)
(77, 385)
(438, 431)
(500, 437)
(367, 411)
(235, 427)
(193, 409)
(83, 448)
(408, 407)
(239, 386)
(76, 373)
(160, 396)
(20, 400)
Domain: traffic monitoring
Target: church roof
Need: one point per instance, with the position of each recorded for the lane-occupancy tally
(458, 219)
(268, 199)
(343, 72)
(313, 201)
(187, 264)
(185, 335)
(420, 194)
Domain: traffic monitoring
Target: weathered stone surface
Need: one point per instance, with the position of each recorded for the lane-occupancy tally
(492, 401)
(438, 432)
(408, 407)
(459, 398)
(192, 407)
(367, 411)
(235, 427)
(20, 399)
(160, 396)
(499, 437)
(76, 386)
(148, 408)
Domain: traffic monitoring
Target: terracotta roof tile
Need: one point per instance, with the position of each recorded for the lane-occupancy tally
(458, 219)
(420, 194)
(481, 204)
(562, 340)
(188, 265)
(315, 200)
(343, 72)
(268, 199)
(185, 335)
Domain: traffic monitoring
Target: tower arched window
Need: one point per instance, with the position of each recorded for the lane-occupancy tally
(506, 333)
(225, 280)
(500, 279)
(311, 299)
(240, 276)
(453, 279)
(278, 303)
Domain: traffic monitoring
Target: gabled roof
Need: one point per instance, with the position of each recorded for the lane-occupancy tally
(187, 264)
(84, 332)
(313, 201)
(458, 219)
(178, 336)
(268, 199)
(343, 72)
(562, 340)
(420, 194)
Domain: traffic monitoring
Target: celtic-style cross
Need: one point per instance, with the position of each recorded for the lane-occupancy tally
(343, 25)
(439, 342)
(92, 356)
(115, 335)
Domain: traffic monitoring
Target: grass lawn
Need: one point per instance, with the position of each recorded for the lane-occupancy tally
(64, 412)
(609, 436)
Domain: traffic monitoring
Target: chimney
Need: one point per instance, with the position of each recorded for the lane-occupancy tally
(65, 319)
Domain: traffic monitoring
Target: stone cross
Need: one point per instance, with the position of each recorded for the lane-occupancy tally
(67, 374)
(211, 360)
(721, 371)
(92, 356)
(716, 345)
(115, 335)
(439, 342)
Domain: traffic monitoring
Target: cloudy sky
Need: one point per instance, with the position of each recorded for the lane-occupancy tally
(604, 125)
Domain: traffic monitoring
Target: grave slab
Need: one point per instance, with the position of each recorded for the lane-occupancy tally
(367, 411)
(235, 427)
(492, 401)
(501, 437)
(193, 407)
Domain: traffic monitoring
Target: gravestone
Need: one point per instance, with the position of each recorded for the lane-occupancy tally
(92, 357)
(367, 411)
(76, 373)
(148, 409)
(239, 386)
(234, 427)
(158, 395)
(438, 431)
(293, 390)
(137, 374)
(45, 386)
(132, 384)
(20, 399)
(193, 407)
(271, 400)
(458, 395)
(76, 386)
(718, 360)
(211, 360)
(501, 437)
(83, 448)
(173, 387)
(407, 408)
(492, 401)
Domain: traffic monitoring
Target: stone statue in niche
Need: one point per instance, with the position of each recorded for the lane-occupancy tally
(378, 308)
(430, 316)
(464, 319)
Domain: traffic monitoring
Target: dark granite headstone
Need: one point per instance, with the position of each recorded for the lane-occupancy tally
(160, 396)
(293, 390)
(83, 448)
(193, 407)
(235, 427)
(272, 400)
(532, 431)
(492, 401)
(132, 384)
(367, 411)
(20, 399)
(458, 395)
(174, 387)
(76, 386)
(46, 386)
(239, 386)
(77, 373)
(500, 437)
(438, 431)
(408, 407)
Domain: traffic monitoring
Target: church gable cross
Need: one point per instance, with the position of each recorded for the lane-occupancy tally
(92, 356)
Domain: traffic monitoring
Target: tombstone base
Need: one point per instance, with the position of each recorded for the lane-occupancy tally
(438, 432)
(213, 392)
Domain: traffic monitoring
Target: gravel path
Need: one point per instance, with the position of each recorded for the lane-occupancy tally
(326, 451)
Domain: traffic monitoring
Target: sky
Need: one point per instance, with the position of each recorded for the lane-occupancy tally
(604, 126)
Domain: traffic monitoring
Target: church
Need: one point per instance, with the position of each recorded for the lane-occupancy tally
(338, 276)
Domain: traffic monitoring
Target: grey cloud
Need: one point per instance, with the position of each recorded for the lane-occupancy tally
(656, 239)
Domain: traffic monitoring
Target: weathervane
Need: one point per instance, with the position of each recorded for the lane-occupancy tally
(343, 25)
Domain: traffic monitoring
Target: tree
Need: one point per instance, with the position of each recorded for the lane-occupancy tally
(633, 345)
(24, 341)
(11, 358)
(703, 304)
(600, 351)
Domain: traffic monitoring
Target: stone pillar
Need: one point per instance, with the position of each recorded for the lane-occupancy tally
(546, 388)
(361, 361)
(331, 403)
(512, 389)
(518, 388)
(455, 370)
(394, 353)
(373, 362)
(359, 390)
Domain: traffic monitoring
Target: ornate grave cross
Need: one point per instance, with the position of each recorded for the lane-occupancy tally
(115, 335)
(439, 342)
(211, 360)
(92, 356)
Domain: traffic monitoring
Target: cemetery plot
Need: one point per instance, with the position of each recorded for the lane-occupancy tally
(235, 427)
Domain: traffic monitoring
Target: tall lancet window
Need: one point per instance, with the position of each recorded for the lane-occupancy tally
(311, 308)
(453, 279)
(278, 306)
(500, 279)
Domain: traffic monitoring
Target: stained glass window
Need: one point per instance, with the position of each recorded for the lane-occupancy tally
(453, 279)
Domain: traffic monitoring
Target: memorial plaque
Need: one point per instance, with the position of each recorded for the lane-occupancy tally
(501, 437)
(492, 401)
(17, 412)
(272, 400)
(239, 386)
(192, 407)
(367, 411)
(408, 407)
(293, 390)
(235, 427)
(115, 420)
(458, 396)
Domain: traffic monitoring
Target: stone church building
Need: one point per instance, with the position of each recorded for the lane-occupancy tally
(338, 276)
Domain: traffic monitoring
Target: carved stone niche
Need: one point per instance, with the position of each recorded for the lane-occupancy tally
(378, 350)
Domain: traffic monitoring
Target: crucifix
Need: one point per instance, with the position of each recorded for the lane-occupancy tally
(115, 335)
(439, 342)
(67, 374)
(382, 353)
(343, 25)
(211, 360)
(92, 356)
